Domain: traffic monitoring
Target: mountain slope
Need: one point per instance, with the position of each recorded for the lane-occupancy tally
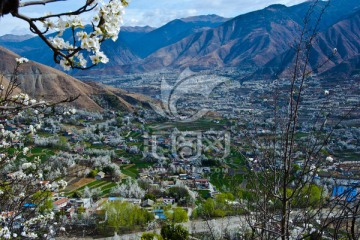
(173, 32)
(344, 36)
(253, 40)
(131, 34)
(334, 12)
(43, 82)
(119, 53)
(257, 41)
(249, 40)
(15, 38)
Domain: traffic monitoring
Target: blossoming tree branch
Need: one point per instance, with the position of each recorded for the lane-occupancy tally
(83, 49)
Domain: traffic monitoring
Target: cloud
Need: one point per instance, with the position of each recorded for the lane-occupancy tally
(155, 17)
(19, 30)
(10, 25)
(153, 13)
(157, 13)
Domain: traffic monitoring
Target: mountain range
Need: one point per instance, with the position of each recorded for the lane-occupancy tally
(259, 41)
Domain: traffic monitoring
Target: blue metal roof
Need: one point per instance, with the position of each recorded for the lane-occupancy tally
(349, 193)
(161, 216)
(29, 205)
(115, 198)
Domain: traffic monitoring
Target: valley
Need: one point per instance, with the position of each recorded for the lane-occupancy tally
(207, 126)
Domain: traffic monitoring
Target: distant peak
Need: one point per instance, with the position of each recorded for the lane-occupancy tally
(275, 7)
(15, 38)
(205, 18)
(138, 28)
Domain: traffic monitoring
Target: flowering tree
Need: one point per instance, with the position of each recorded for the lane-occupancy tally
(82, 50)
(26, 182)
(129, 189)
(24, 196)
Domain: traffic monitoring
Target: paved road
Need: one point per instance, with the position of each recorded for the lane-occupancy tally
(197, 226)
(200, 226)
(193, 226)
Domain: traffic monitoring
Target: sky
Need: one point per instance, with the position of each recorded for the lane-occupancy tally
(154, 13)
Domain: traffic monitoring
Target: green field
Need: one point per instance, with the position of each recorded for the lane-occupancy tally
(130, 173)
(104, 186)
(204, 193)
(224, 182)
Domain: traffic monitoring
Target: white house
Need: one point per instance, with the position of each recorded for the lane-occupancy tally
(60, 203)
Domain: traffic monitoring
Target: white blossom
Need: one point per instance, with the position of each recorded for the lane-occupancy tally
(26, 165)
(99, 57)
(5, 233)
(72, 111)
(65, 64)
(25, 150)
(21, 60)
(110, 13)
(329, 159)
(32, 129)
(62, 184)
(49, 24)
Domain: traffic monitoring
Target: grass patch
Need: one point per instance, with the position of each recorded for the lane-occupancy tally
(223, 181)
(108, 186)
(204, 193)
(129, 173)
(105, 192)
(104, 186)
(36, 150)
(102, 183)
(94, 183)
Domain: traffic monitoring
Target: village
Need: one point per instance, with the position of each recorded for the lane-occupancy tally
(162, 168)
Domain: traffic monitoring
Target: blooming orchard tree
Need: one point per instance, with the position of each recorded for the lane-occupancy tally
(24, 212)
(24, 191)
(82, 50)
(129, 189)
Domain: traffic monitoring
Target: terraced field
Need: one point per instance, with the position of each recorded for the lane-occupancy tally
(78, 184)
(104, 186)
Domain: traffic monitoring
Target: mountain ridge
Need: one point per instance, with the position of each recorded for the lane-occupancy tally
(258, 40)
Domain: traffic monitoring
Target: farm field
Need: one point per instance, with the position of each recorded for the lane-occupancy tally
(79, 186)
